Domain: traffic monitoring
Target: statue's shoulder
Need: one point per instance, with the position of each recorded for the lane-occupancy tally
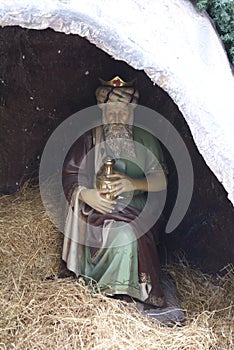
(85, 139)
(142, 135)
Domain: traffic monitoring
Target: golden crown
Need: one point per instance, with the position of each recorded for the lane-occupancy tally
(117, 82)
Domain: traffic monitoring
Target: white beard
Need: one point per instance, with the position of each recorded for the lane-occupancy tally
(120, 140)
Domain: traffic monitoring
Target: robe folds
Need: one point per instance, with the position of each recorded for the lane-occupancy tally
(115, 252)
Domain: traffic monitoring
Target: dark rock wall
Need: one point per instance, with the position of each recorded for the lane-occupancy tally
(45, 77)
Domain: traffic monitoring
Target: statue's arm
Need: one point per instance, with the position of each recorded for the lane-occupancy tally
(77, 169)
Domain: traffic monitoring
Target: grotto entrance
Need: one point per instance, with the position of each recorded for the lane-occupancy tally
(47, 76)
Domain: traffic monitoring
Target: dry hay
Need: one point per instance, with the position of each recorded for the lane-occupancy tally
(40, 313)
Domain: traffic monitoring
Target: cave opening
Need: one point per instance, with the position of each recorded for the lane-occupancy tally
(47, 76)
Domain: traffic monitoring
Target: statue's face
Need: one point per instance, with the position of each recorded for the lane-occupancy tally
(117, 113)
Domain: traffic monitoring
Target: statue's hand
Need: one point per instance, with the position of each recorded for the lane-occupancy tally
(97, 200)
(123, 184)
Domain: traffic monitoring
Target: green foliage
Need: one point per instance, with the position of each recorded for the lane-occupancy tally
(222, 13)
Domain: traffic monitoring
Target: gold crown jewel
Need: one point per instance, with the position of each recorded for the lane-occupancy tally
(117, 82)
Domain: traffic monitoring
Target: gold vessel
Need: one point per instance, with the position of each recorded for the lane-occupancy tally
(103, 181)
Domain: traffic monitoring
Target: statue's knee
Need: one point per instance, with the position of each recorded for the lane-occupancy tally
(125, 236)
